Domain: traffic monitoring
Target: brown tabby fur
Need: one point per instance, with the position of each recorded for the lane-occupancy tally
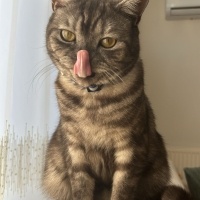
(106, 145)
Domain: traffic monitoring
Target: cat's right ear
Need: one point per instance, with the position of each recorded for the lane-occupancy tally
(56, 4)
(132, 7)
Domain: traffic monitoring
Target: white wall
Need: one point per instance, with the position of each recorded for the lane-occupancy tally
(171, 54)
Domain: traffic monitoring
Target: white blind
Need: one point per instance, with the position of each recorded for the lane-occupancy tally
(28, 109)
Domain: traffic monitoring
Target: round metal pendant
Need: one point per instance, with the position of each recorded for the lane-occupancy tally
(94, 88)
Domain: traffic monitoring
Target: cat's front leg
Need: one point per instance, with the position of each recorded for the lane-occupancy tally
(124, 186)
(124, 181)
(81, 182)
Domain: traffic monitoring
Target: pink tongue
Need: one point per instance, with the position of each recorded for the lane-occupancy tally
(82, 66)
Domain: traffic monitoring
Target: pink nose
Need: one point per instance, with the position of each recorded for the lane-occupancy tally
(82, 66)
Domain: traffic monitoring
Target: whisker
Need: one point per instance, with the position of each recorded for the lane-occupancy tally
(114, 73)
(47, 76)
(45, 59)
(41, 73)
(117, 75)
(108, 76)
(47, 67)
(41, 47)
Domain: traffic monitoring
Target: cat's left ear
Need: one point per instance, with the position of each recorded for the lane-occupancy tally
(133, 7)
(56, 4)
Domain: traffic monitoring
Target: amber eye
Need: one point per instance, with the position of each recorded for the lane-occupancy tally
(108, 42)
(68, 36)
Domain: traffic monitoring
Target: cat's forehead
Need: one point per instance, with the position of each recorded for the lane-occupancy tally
(90, 7)
(90, 10)
(91, 17)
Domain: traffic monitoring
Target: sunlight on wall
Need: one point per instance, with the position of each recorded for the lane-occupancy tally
(22, 160)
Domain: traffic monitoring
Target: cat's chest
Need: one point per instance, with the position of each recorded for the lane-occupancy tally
(99, 141)
(98, 125)
(95, 135)
(102, 164)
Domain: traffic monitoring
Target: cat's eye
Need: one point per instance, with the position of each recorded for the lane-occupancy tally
(108, 42)
(68, 36)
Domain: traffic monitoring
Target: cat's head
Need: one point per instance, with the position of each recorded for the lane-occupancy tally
(94, 41)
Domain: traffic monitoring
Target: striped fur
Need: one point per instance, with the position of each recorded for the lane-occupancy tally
(106, 145)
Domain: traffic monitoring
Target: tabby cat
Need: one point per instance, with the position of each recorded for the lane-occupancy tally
(106, 145)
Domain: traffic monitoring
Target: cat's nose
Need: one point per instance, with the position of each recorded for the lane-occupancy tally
(82, 66)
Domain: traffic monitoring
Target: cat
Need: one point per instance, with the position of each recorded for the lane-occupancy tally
(106, 145)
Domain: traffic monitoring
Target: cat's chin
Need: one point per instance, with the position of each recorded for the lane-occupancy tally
(86, 82)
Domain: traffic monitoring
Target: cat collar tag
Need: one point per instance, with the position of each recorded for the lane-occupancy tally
(94, 88)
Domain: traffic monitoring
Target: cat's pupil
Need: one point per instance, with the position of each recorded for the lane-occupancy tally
(108, 42)
(68, 36)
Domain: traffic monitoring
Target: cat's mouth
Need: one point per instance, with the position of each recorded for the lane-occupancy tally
(90, 83)
(82, 73)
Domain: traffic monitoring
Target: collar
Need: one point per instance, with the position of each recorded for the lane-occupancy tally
(94, 88)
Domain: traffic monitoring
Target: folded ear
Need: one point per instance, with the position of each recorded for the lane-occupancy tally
(133, 7)
(57, 3)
